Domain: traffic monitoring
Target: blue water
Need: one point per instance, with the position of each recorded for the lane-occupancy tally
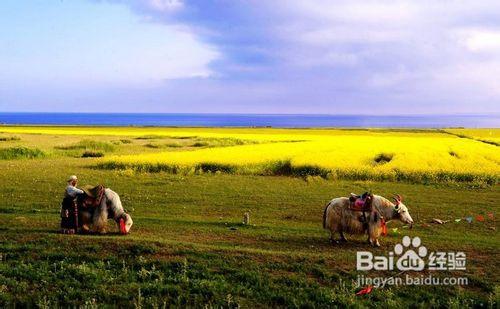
(252, 120)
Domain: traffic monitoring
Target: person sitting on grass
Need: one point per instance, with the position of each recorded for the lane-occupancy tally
(69, 209)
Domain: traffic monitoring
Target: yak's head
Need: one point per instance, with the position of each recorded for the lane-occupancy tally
(125, 223)
(402, 211)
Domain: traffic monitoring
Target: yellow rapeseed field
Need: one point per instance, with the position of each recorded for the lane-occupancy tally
(408, 155)
(346, 154)
(492, 135)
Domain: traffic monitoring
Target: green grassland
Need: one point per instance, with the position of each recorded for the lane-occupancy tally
(188, 246)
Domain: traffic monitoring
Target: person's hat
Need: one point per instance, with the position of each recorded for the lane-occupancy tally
(72, 177)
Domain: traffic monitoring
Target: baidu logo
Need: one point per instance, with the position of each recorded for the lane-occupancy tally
(410, 255)
(409, 258)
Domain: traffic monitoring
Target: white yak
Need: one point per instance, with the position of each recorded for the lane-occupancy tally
(110, 207)
(339, 217)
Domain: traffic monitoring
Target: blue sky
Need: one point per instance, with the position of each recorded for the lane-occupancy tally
(232, 56)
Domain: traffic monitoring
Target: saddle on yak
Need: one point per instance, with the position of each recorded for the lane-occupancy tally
(363, 203)
(92, 197)
(70, 207)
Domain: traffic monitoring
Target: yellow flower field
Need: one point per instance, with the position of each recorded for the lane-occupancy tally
(492, 135)
(337, 153)
(378, 154)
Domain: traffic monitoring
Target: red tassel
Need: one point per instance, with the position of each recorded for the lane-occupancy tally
(123, 230)
(384, 228)
(365, 291)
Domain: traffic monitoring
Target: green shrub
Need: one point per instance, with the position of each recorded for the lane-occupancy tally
(150, 137)
(216, 167)
(92, 154)
(279, 168)
(454, 154)
(89, 145)
(182, 137)
(9, 138)
(200, 144)
(489, 142)
(221, 142)
(286, 168)
(20, 153)
(382, 158)
(148, 168)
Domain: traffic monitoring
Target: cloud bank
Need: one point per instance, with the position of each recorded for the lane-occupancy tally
(319, 56)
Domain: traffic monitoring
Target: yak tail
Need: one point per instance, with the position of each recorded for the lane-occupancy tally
(324, 215)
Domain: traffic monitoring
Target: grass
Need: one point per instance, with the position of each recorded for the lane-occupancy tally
(14, 153)
(150, 136)
(192, 141)
(9, 138)
(173, 145)
(88, 144)
(151, 145)
(189, 248)
(222, 142)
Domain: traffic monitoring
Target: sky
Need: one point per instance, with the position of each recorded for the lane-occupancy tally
(234, 56)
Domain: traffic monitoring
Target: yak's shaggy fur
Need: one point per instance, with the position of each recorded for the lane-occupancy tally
(110, 208)
(338, 217)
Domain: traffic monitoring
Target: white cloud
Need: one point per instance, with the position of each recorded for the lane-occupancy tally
(480, 40)
(117, 47)
(166, 5)
(335, 59)
(350, 34)
(472, 79)
(401, 51)
(365, 12)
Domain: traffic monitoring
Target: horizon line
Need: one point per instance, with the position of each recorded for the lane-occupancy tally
(255, 114)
